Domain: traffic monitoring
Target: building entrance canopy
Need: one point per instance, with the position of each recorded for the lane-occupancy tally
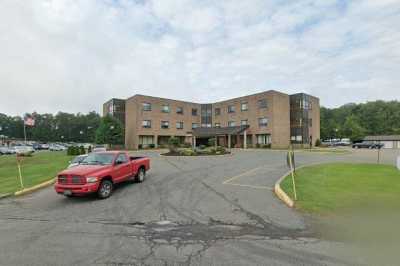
(204, 132)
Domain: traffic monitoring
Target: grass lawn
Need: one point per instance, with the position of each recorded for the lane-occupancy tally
(42, 166)
(328, 188)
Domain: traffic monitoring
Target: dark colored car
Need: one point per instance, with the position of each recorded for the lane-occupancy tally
(367, 145)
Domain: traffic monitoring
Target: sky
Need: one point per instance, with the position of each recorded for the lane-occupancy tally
(73, 55)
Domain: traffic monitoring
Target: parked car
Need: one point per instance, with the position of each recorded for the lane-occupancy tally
(56, 147)
(77, 160)
(367, 145)
(99, 148)
(24, 150)
(5, 150)
(44, 146)
(99, 172)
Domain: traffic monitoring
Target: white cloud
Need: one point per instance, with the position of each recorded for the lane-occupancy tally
(74, 55)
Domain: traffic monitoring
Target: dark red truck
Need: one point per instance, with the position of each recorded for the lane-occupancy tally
(99, 172)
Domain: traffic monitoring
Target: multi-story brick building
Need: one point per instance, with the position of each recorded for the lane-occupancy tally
(264, 118)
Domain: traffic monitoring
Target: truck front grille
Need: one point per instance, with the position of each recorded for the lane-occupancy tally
(74, 180)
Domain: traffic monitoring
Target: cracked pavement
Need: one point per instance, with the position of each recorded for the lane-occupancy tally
(182, 214)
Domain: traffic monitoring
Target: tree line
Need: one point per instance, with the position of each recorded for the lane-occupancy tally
(355, 121)
(64, 127)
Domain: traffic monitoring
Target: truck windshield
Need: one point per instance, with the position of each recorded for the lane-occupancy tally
(98, 158)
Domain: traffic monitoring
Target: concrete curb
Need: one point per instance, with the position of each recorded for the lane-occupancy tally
(34, 188)
(282, 194)
(3, 196)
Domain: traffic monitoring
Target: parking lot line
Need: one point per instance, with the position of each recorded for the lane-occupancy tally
(250, 186)
(242, 174)
(229, 181)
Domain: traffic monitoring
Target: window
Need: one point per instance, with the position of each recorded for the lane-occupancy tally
(146, 140)
(206, 125)
(231, 108)
(179, 125)
(165, 108)
(231, 123)
(194, 111)
(264, 139)
(179, 110)
(217, 111)
(218, 125)
(244, 106)
(164, 124)
(121, 158)
(263, 122)
(146, 123)
(146, 106)
(195, 125)
(244, 122)
(262, 103)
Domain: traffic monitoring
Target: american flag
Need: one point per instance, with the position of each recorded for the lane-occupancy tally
(29, 121)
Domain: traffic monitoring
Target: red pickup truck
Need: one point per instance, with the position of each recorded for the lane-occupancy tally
(99, 172)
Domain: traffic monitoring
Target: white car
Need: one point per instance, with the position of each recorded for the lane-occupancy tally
(55, 147)
(24, 150)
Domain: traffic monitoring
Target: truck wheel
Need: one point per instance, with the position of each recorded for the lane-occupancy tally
(105, 189)
(141, 175)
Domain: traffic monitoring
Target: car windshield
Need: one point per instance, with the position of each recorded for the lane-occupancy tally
(78, 159)
(99, 158)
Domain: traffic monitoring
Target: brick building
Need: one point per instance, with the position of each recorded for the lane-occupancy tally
(264, 118)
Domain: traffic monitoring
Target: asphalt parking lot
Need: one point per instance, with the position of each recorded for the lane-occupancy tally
(212, 210)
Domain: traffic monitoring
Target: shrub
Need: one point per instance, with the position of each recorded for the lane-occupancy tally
(187, 152)
(318, 143)
(140, 146)
(90, 149)
(152, 146)
(82, 150)
(173, 143)
(258, 145)
(202, 147)
(266, 146)
(220, 149)
(211, 142)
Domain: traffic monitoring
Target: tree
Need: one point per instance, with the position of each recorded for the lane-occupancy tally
(352, 128)
(173, 143)
(110, 131)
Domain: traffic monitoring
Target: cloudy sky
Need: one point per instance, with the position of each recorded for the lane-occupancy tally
(73, 55)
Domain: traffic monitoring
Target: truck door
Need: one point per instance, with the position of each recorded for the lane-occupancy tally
(122, 167)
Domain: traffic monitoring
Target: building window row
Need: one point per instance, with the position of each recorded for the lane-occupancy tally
(244, 106)
(262, 122)
(165, 108)
(165, 124)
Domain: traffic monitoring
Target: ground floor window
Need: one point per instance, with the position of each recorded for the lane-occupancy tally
(146, 140)
(264, 139)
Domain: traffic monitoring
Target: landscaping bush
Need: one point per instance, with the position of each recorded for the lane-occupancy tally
(82, 150)
(211, 142)
(258, 145)
(266, 146)
(202, 147)
(140, 146)
(90, 149)
(318, 143)
(152, 146)
(173, 143)
(187, 152)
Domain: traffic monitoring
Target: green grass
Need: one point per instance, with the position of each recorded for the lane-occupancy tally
(328, 188)
(42, 166)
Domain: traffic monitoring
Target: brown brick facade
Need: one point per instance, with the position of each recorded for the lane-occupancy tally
(267, 114)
